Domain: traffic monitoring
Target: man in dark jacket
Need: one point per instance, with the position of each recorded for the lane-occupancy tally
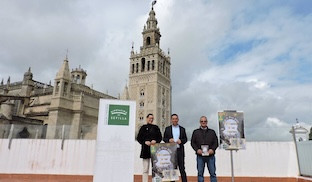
(205, 142)
(149, 134)
(176, 134)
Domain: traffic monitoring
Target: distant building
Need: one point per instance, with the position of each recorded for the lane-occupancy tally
(69, 102)
(300, 132)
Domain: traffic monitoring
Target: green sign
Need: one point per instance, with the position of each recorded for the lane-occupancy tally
(118, 115)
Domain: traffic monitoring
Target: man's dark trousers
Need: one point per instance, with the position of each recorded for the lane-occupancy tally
(180, 155)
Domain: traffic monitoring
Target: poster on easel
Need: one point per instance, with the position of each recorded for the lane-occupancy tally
(231, 130)
(164, 162)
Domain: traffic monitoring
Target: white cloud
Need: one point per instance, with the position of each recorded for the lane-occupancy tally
(258, 84)
(274, 122)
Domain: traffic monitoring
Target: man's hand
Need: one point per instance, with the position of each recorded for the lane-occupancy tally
(211, 152)
(148, 143)
(199, 152)
(179, 141)
(171, 140)
(153, 142)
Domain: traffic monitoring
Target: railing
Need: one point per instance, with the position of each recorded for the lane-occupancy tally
(28, 131)
(88, 131)
(62, 132)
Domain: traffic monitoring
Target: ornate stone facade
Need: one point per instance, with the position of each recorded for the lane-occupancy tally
(149, 78)
(69, 102)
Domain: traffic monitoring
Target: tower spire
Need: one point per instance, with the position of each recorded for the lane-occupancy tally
(66, 58)
(9, 80)
(151, 33)
(64, 71)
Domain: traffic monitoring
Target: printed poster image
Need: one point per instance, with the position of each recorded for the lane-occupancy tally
(164, 162)
(231, 130)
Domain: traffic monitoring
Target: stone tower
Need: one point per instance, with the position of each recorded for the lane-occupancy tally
(149, 77)
(79, 76)
(60, 102)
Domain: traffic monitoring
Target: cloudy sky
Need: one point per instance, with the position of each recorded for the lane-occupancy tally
(251, 56)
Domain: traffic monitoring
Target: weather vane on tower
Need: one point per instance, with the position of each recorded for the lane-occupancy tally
(153, 3)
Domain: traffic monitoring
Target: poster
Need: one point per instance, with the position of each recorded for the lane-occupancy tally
(231, 130)
(164, 162)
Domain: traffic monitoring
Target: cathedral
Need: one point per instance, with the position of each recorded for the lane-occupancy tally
(45, 108)
(69, 108)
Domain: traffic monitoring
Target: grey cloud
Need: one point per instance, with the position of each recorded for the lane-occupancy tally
(99, 34)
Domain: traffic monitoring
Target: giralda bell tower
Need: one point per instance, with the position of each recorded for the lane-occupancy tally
(149, 78)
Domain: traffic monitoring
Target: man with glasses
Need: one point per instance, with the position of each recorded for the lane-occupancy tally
(176, 134)
(205, 142)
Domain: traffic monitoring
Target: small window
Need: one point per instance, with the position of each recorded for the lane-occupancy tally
(142, 64)
(132, 68)
(57, 87)
(148, 65)
(142, 93)
(163, 68)
(137, 68)
(148, 41)
(65, 88)
(153, 65)
(78, 79)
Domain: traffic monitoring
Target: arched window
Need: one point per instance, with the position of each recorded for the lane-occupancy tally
(142, 93)
(137, 68)
(159, 66)
(153, 65)
(142, 64)
(148, 41)
(141, 104)
(78, 78)
(163, 68)
(132, 68)
(57, 87)
(148, 65)
(65, 88)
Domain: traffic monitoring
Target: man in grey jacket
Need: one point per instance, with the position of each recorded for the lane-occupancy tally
(205, 142)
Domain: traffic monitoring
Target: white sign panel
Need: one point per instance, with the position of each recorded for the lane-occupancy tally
(114, 160)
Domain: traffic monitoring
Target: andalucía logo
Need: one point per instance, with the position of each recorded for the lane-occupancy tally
(118, 115)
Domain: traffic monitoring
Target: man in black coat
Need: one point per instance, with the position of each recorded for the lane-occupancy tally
(176, 134)
(205, 142)
(149, 134)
